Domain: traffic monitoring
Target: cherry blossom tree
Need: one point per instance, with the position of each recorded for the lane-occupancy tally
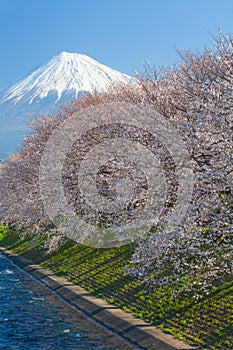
(197, 96)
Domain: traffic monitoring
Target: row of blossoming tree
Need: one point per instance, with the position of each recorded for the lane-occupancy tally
(196, 97)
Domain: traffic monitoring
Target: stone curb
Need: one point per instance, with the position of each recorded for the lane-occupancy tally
(125, 325)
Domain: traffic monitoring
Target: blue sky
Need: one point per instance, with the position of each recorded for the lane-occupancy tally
(122, 34)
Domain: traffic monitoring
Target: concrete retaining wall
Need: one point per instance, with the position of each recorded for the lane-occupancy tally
(124, 324)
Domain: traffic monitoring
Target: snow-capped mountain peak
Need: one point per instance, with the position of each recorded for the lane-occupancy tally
(66, 72)
(65, 77)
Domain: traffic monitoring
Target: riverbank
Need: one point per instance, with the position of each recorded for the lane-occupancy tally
(35, 318)
(206, 323)
(139, 333)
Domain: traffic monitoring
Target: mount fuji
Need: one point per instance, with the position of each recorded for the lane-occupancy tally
(66, 77)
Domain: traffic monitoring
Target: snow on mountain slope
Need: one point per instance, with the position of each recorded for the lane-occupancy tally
(65, 72)
(65, 77)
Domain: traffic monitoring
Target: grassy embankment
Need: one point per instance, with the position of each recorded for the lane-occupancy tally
(207, 323)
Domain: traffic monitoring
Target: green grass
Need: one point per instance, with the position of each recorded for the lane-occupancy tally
(207, 322)
(3, 232)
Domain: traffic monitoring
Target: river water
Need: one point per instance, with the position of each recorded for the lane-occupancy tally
(33, 318)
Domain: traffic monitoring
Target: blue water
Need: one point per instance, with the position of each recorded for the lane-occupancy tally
(32, 317)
